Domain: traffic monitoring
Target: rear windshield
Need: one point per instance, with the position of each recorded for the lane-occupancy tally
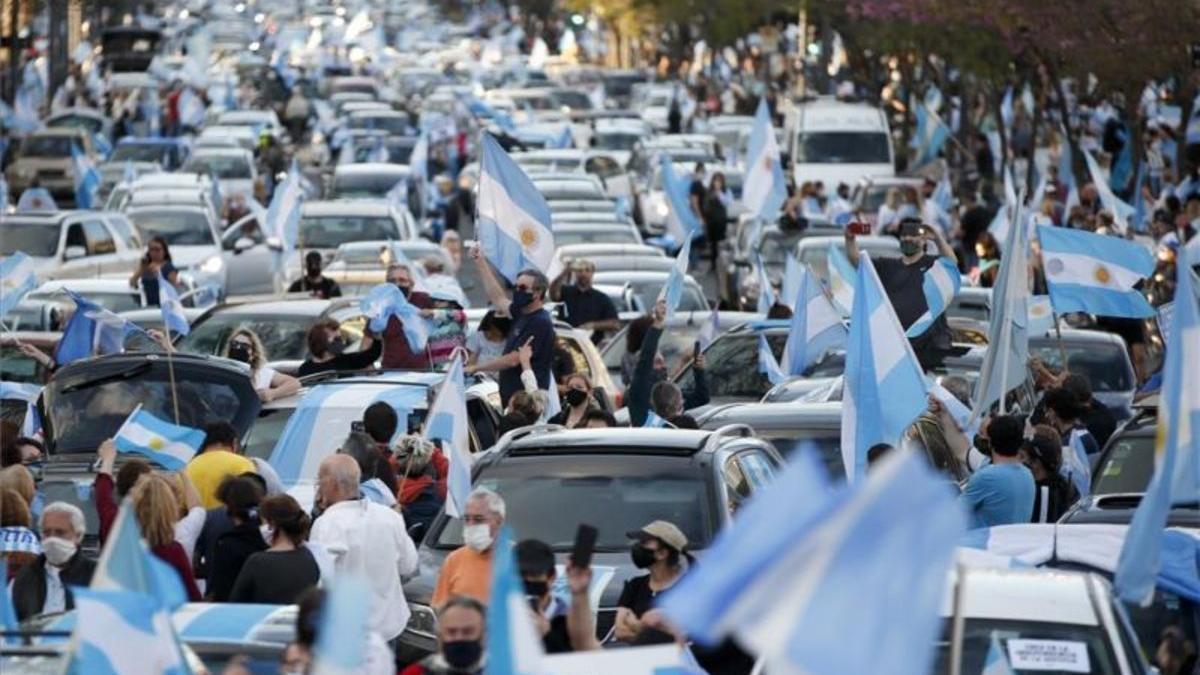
(1088, 646)
(733, 366)
(1105, 365)
(613, 235)
(37, 239)
(843, 147)
(46, 146)
(282, 336)
(1127, 466)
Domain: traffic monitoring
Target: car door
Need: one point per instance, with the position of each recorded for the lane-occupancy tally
(250, 266)
(94, 246)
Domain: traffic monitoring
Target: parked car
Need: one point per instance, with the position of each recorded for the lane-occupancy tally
(46, 155)
(234, 168)
(72, 244)
(1099, 356)
(568, 233)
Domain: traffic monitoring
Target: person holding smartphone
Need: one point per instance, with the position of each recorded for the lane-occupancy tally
(157, 260)
(903, 278)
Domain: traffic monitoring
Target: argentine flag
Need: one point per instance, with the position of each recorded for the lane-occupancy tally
(447, 422)
(941, 284)
(171, 306)
(513, 645)
(885, 387)
(342, 637)
(1094, 273)
(514, 220)
(168, 445)
(767, 365)
(386, 300)
(672, 290)
(996, 662)
(91, 330)
(816, 326)
(17, 278)
(1004, 362)
(682, 223)
(283, 213)
(1120, 210)
(766, 292)
(653, 421)
(764, 187)
(121, 632)
(87, 179)
(841, 279)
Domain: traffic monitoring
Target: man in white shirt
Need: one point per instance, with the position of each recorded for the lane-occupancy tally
(365, 540)
(42, 586)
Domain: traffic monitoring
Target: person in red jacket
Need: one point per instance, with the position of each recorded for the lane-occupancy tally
(156, 509)
(107, 493)
(397, 354)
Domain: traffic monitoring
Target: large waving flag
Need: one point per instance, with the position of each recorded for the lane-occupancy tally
(764, 187)
(283, 213)
(18, 277)
(1177, 475)
(342, 637)
(710, 330)
(766, 292)
(513, 645)
(816, 326)
(682, 223)
(792, 278)
(87, 179)
(171, 446)
(1119, 209)
(385, 301)
(447, 422)
(940, 285)
(841, 279)
(672, 290)
(126, 564)
(1094, 273)
(171, 306)
(91, 330)
(514, 219)
(777, 579)
(931, 137)
(121, 632)
(1008, 213)
(767, 365)
(1005, 361)
(885, 387)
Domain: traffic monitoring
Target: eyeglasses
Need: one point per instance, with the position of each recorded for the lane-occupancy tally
(242, 343)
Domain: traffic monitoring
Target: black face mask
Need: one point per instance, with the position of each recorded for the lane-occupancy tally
(520, 300)
(462, 653)
(536, 589)
(404, 290)
(337, 346)
(575, 397)
(314, 271)
(909, 247)
(239, 352)
(642, 556)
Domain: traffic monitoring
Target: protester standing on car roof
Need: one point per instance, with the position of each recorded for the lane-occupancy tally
(531, 324)
(326, 350)
(313, 282)
(468, 569)
(587, 308)
(156, 262)
(651, 369)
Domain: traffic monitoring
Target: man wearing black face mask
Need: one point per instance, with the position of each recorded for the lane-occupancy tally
(313, 282)
(563, 628)
(903, 278)
(397, 354)
(531, 325)
(460, 640)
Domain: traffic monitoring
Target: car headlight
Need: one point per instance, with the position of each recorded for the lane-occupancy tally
(423, 621)
(213, 265)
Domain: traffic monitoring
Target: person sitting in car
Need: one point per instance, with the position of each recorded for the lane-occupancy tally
(326, 350)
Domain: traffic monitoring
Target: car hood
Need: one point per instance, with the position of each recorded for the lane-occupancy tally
(37, 163)
(185, 257)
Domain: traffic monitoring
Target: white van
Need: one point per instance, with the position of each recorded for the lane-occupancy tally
(835, 142)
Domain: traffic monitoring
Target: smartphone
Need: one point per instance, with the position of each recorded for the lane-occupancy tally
(585, 544)
(358, 427)
(858, 227)
(696, 349)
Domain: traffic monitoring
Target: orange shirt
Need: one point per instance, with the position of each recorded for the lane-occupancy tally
(465, 572)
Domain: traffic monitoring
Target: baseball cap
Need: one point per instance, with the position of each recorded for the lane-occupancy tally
(663, 531)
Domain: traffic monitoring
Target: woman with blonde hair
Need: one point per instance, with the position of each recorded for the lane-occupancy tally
(157, 510)
(270, 384)
(191, 515)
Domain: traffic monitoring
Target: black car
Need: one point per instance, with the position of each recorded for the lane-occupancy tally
(617, 480)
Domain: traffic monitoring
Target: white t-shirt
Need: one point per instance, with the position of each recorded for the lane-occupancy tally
(262, 379)
(187, 529)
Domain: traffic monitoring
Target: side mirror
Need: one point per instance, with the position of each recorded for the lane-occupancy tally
(242, 244)
(417, 533)
(74, 253)
(274, 244)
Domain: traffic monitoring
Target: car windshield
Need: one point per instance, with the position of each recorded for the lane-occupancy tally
(580, 191)
(37, 239)
(826, 444)
(552, 494)
(224, 166)
(89, 124)
(1027, 645)
(388, 123)
(266, 432)
(843, 147)
(364, 186)
(138, 152)
(616, 141)
(575, 100)
(969, 308)
(1104, 364)
(282, 335)
(47, 146)
(1128, 465)
(114, 302)
(16, 367)
(692, 300)
(733, 370)
(333, 231)
(676, 342)
(873, 198)
(607, 235)
(179, 228)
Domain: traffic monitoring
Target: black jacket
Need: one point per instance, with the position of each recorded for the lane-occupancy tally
(29, 587)
(230, 553)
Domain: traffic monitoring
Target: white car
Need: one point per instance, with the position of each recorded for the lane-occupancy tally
(227, 137)
(191, 235)
(112, 293)
(72, 244)
(234, 168)
(837, 142)
(258, 120)
(603, 164)
(571, 233)
(326, 225)
(368, 180)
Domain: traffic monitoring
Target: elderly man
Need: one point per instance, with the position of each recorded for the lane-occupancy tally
(587, 308)
(42, 587)
(366, 540)
(468, 570)
(397, 354)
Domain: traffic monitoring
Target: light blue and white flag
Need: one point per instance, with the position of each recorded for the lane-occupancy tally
(996, 662)
(447, 422)
(92, 329)
(283, 213)
(1006, 108)
(1120, 210)
(932, 136)
(513, 645)
(940, 285)
(767, 365)
(764, 188)
(653, 421)
(672, 290)
(385, 301)
(171, 446)
(816, 326)
(1005, 361)
(342, 636)
(766, 292)
(87, 179)
(36, 199)
(1177, 447)
(18, 276)
(564, 139)
(1041, 315)
(793, 273)
(126, 564)
(1066, 167)
(776, 579)
(710, 330)
(514, 220)
(120, 632)
(191, 109)
(885, 387)
(398, 195)
(128, 175)
(1008, 213)
(682, 223)
(25, 117)
(171, 306)
(841, 279)
(1094, 273)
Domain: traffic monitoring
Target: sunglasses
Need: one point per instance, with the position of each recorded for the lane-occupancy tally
(243, 343)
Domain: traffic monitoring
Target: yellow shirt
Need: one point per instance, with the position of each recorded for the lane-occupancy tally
(465, 572)
(208, 469)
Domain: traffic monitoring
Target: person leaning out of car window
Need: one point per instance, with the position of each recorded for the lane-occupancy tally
(270, 384)
(564, 628)
(658, 548)
(156, 262)
(43, 587)
(327, 350)
(651, 370)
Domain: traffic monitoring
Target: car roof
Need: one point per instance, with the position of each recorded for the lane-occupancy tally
(553, 439)
(1050, 596)
(279, 306)
(346, 207)
(371, 169)
(106, 284)
(785, 415)
(220, 150)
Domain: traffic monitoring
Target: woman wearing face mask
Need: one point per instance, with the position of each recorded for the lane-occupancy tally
(421, 490)
(156, 262)
(270, 384)
(1053, 493)
(657, 549)
(326, 350)
(988, 253)
(280, 574)
(577, 402)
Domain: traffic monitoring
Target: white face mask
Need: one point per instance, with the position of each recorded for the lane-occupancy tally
(267, 532)
(477, 537)
(58, 551)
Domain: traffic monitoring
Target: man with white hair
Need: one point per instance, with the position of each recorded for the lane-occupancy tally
(468, 570)
(366, 540)
(397, 353)
(42, 587)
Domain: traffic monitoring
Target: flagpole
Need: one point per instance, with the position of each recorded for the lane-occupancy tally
(170, 362)
(959, 621)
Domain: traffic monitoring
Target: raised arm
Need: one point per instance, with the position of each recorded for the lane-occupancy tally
(491, 284)
(557, 284)
(851, 247)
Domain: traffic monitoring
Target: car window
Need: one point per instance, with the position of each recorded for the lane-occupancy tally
(733, 367)
(46, 146)
(364, 186)
(333, 231)
(139, 152)
(575, 360)
(99, 239)
(757, 469)
(266, 431)
(224, 166)
(16, 367)
(179, 228)
(826, 444)
(38, 239)
(282, 336)
(1127, 466)
(979, 634)
(125, 231)
(1104, 364)
(843, 147)
(737, 487)
(602, 166)
(75, 237)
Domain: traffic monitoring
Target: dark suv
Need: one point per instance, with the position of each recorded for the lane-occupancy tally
(617, 480)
